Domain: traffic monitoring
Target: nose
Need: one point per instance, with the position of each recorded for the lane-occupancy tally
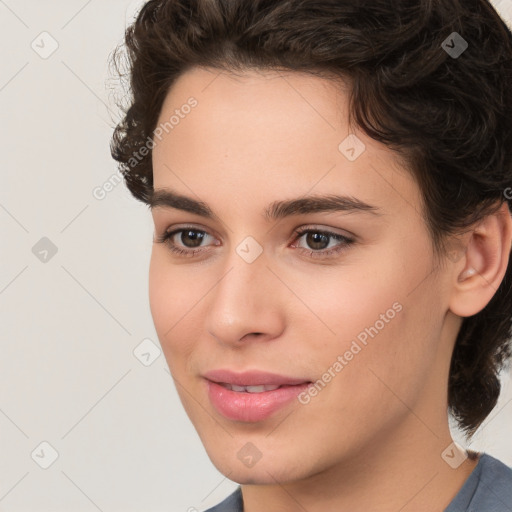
(246, 303)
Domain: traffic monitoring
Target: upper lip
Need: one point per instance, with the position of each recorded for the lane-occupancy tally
(251, 378)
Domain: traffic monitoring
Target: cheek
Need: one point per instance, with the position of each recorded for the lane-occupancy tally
(385, 335)
(161, 294)
(354, 304)
(171, 300)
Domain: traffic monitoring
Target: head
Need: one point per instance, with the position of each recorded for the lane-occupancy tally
(252, 119)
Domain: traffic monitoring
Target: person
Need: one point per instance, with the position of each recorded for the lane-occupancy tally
(330, 183)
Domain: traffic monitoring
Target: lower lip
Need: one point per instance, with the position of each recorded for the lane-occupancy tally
(251, 407)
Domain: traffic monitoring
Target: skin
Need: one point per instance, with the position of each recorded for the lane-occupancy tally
(372, 438)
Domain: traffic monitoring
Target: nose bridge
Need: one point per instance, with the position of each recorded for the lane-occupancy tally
(242, 287)
(244, 300)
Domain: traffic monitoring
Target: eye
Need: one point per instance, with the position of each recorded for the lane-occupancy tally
(190, 237)
(318, 241)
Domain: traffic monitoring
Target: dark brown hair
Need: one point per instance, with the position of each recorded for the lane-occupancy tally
(449, 118)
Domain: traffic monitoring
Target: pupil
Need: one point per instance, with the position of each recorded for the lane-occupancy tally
(313, 239)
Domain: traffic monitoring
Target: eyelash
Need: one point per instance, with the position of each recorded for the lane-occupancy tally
(324, 253)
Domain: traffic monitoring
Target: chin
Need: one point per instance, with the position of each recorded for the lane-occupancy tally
(273, 469)
(257, 476)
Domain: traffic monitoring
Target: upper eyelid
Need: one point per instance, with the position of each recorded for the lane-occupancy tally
(307, 227)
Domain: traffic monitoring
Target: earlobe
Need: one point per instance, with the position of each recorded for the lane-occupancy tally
(478, 275)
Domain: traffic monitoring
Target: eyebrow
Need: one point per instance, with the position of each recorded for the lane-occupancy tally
(165, 198)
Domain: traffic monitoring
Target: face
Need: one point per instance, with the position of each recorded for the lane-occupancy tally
(342, 305)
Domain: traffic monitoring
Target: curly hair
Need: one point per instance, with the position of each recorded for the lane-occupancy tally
(448, 117)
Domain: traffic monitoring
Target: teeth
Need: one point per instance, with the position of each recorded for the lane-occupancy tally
(236, 388)
(251, 389)
(260, 389)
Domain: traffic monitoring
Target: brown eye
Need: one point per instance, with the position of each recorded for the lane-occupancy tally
(187, 243)
(317, 242)
(191, 237)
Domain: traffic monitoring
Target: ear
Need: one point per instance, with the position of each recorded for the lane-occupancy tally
(479, 273)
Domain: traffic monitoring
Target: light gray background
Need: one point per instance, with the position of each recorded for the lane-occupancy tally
(70, 325)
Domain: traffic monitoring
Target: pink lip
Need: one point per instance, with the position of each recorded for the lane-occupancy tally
(251, 407)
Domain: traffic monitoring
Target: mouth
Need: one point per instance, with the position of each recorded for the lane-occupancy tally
(251, 396)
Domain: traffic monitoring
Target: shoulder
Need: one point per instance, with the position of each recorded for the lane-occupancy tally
(495, 485)
(488, 488)
(233, 503)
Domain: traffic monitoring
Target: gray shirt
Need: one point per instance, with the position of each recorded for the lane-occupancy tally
(488, 489)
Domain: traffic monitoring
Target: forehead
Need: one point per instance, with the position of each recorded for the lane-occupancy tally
(258, 129)
(264, 99)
